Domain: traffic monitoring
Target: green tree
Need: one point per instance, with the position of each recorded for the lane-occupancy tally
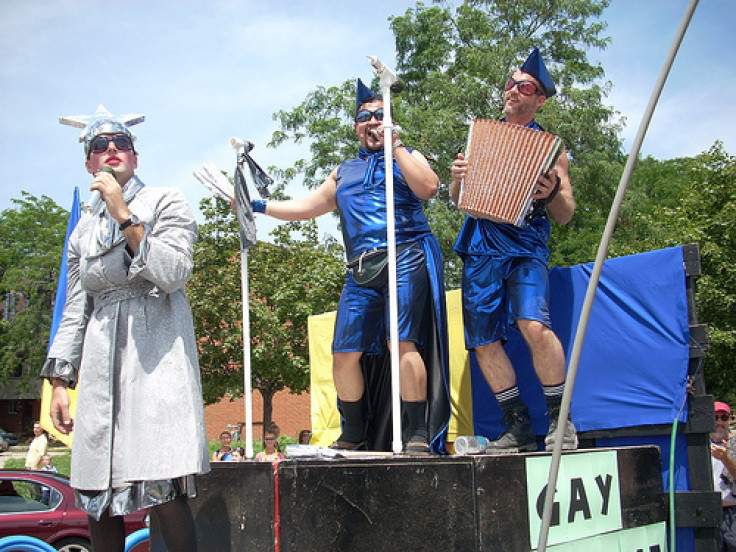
(289, 280)
(704, 211)
(31, 243)
(454, 62)
(670, 203)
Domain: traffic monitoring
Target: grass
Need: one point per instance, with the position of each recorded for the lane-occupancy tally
(62, 463)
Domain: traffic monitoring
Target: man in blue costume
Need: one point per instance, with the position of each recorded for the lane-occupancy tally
(357, 189)
(505, 278)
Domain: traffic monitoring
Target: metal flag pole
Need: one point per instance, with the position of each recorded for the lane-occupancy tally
(595, 275)
(239, 147)
(217, 182)
(388, 77)
(247, 385)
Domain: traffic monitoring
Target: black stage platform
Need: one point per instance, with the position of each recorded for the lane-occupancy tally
(606, 498)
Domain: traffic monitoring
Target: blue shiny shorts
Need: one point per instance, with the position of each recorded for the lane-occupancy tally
(498, 292)
(362, 314)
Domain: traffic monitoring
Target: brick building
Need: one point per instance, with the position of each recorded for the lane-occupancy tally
(290, 413)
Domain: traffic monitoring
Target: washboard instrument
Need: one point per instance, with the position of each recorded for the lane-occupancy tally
(504, 162)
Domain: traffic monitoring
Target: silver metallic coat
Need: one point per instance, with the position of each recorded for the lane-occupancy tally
(127, 332)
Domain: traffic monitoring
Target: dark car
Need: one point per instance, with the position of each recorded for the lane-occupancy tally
(11, 438)
(41, 504)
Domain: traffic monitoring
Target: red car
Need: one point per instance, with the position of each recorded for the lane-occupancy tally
(41, 504)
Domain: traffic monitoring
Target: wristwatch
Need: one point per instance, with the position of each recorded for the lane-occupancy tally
(132, 221)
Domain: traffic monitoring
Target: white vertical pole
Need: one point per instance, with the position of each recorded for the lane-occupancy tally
(239, 147)
(247, 386)
(387, 79)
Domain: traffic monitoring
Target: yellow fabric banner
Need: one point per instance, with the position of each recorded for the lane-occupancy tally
(323, 403)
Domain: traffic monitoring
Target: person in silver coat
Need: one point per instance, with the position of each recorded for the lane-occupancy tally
(127, 339)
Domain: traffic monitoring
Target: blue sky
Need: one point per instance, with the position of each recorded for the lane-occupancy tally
(203, 71)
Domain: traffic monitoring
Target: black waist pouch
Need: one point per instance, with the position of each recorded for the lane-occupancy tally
(370, 268)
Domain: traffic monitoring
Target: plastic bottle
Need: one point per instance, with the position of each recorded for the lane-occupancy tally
(470, 444)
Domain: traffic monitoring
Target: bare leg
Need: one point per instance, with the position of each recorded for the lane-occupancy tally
(348, 376)
(500, 375)
(496, 366)
(549, 364)
(108, 533)
(412, 372)
(547, 354)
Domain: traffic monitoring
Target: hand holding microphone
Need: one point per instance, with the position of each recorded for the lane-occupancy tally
(377, 133)
(95, 197)
(104, 190)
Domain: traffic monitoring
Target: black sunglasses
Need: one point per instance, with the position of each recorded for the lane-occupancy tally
(723, 417)
(100, 143)
(364, 115)
(526, 88)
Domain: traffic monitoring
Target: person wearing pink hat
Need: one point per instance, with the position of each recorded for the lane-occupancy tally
(723, 453)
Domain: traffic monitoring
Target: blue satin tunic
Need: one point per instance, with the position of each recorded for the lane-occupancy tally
(361, 202)
(360, 323)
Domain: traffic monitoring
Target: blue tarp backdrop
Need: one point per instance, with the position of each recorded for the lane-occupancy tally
(634, 360)
(633, 364)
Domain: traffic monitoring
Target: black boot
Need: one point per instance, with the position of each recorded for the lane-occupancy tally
(416, 414)
(518, 436)
(353, 426)
(570, 437)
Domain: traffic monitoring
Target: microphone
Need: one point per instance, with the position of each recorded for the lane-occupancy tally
(237, 143)
(92, 202)
(398, 86)
(95, 197)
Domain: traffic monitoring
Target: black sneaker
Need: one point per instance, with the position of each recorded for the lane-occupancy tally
(417, 447)
(518, 437)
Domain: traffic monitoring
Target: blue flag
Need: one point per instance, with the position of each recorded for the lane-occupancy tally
(74, 216)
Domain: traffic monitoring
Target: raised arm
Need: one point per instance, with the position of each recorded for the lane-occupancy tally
(418, 174)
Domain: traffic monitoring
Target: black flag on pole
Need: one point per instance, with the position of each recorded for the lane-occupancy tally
(244, 211)
(242, 198)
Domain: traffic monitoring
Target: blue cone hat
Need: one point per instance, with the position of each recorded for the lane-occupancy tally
(534, 66)
(363, 94)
